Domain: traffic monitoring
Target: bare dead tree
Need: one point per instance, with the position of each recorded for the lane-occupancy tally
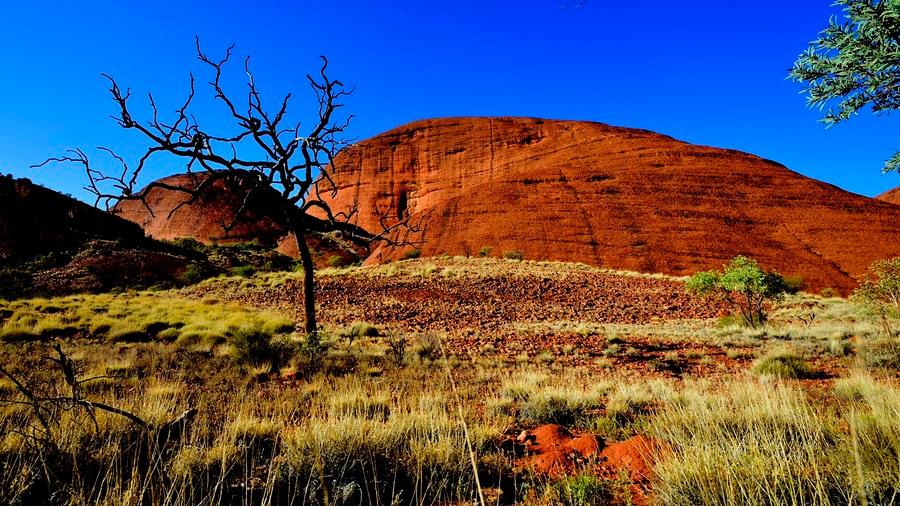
(47, 406)
(264, 152)
(50, 401)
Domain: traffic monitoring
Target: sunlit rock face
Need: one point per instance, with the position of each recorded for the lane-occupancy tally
(609, 196)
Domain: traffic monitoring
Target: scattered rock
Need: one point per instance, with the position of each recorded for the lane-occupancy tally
(636, 455)
(551, 450)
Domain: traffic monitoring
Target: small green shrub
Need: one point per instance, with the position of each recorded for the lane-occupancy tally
(428, 346)
(784, 365)
(744, 284)
(513, 255)
(397, 344)
(251, 344)
(582, 490)
(829, 292)
(879, 293)
(244, 271)
(362, 329)
(485, 251)
(336, 261)
(410, 254)
(310, 352)
(282, 349)
(189, 243)
(192, 275)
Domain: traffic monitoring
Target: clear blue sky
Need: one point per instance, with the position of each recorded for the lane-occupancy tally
(709, 72)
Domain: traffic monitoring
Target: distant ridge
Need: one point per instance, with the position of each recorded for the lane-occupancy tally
(210, 218)
(35, 220)
(892, 196)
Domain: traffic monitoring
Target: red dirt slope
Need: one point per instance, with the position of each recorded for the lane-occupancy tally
(616, 197)
(892, 196)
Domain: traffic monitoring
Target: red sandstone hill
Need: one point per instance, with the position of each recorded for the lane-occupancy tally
(210, 218)
(892, 196)
(616, 197)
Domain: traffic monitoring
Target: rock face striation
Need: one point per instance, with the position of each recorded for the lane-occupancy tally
(892, 196)
(608, 196)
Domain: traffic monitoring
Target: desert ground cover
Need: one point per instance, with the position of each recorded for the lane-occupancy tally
(447, 381)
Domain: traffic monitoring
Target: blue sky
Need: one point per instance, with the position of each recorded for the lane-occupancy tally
(708, 72)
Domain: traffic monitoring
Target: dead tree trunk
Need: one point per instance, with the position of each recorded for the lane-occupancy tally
(306, 261)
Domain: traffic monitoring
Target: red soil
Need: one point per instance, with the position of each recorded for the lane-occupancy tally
(616, 197)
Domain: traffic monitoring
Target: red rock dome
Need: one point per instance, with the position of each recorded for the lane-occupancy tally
(210, 217)
(615, 197)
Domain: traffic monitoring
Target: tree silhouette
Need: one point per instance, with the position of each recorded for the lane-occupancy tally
(263, 153)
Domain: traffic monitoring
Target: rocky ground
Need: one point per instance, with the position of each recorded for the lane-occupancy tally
(516, 312)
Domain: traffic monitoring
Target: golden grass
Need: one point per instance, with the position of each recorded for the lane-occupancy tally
(446, 267)
(367, 429)
(134, 317)
(755, 443)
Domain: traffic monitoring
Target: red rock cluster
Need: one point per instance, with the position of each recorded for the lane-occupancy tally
(615, 197)
(552, 450)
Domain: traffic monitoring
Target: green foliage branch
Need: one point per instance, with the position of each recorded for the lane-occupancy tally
(856, 62)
